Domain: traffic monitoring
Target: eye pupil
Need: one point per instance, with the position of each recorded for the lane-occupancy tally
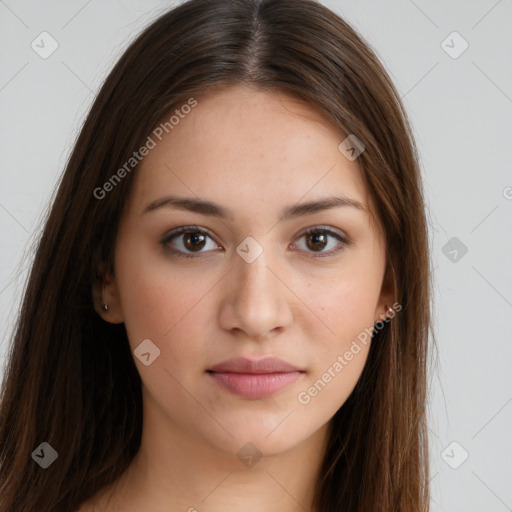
(317, 245)
(194, 238)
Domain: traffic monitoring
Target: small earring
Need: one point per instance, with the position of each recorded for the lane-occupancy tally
(389, 311)
(104, 307)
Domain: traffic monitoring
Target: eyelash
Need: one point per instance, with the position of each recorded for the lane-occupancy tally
(195, 230)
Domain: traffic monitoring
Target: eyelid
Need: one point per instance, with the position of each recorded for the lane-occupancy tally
(328, 229)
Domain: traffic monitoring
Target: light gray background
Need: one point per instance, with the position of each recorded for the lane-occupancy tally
(461, 110)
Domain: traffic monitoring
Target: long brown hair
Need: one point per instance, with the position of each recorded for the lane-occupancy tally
(71, 380)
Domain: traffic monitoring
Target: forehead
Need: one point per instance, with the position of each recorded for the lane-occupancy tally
(264, 148)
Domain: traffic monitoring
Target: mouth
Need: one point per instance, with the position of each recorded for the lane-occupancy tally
(254, 379)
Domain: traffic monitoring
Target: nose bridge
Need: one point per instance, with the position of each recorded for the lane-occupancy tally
(258, 299)
(253, 277)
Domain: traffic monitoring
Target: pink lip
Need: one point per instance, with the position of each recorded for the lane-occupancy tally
(254, 379)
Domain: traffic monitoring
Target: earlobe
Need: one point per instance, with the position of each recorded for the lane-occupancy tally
(385, 308)
(106, 300)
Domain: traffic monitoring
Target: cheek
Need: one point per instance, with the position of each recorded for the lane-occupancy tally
(348, 312)
(329, 387)
(164, 305)
(339, 356)
(346, 306)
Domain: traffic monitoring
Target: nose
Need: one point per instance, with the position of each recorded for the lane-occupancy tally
(257, 301)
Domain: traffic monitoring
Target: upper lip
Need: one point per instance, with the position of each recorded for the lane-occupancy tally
(244, 365)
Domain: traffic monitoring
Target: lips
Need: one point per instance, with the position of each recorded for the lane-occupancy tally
(244, 365)
(254, 379)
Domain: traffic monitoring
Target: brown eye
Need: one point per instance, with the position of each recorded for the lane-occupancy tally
(318, 239)
(187, 240)
(194, 241)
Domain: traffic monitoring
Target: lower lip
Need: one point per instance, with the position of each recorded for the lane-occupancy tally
(255, 386)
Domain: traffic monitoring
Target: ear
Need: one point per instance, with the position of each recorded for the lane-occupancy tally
(105, 291)
(387, 294)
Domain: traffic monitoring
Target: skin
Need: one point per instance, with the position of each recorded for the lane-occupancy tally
(254, 153)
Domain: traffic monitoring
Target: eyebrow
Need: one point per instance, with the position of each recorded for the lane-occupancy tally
(204, 207)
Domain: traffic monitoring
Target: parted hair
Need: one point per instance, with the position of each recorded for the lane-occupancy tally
(70, 379)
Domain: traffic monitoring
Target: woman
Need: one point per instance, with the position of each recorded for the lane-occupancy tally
(229, 306)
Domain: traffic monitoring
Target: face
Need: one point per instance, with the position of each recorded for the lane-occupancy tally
(252, 274)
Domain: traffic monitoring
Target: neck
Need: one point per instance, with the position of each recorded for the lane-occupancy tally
(176, 471)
